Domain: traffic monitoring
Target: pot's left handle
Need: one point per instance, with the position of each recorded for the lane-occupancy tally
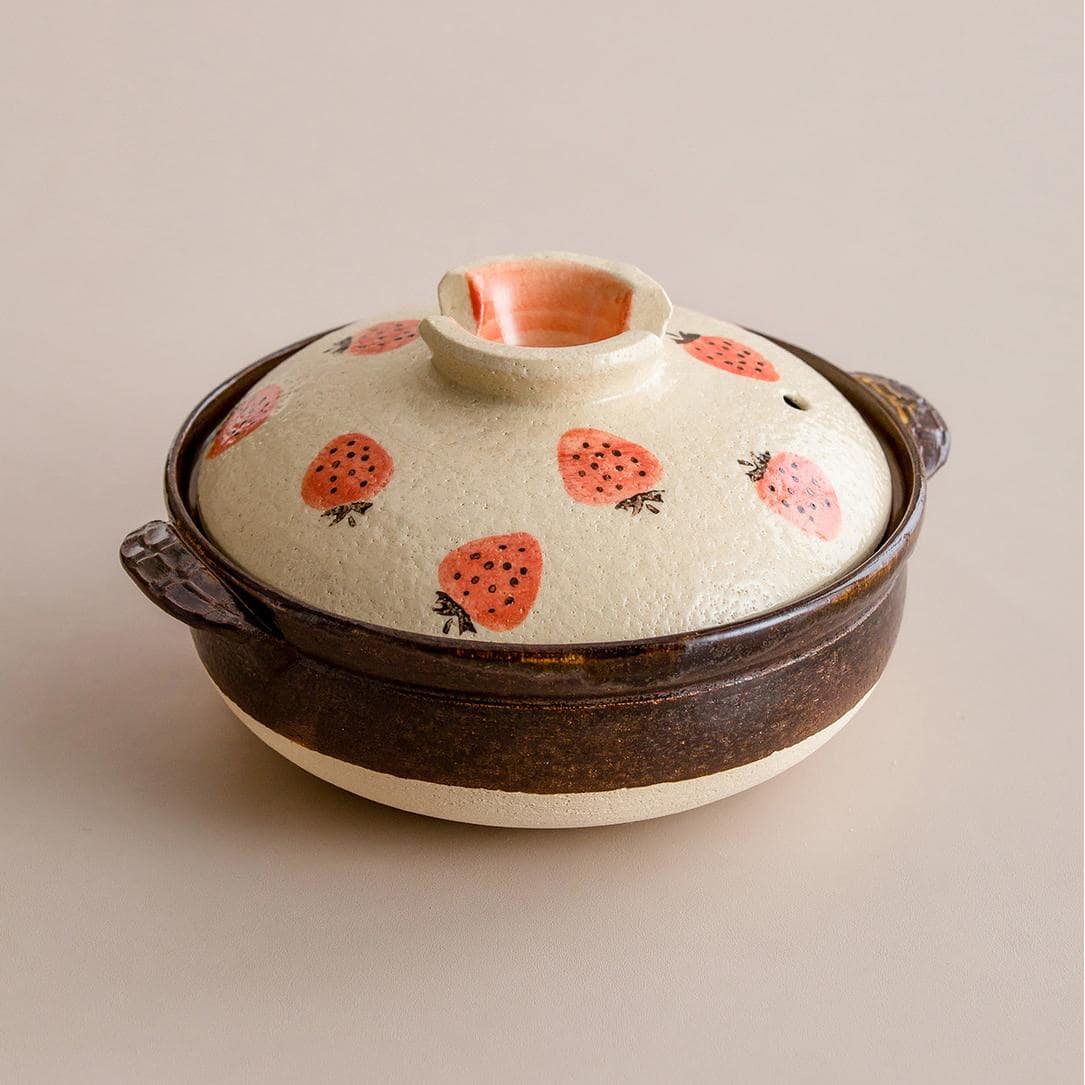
(175, 579)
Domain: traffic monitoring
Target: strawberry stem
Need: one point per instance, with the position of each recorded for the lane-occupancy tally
(448, 608)
(758, 466)
(635, 502)
(684, 337)
(339, 346)
(345, 512)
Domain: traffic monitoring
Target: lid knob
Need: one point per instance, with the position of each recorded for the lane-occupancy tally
(547, 326)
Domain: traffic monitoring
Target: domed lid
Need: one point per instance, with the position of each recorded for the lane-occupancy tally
(556, 457)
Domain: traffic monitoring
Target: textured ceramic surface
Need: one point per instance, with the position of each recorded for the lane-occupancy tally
(555, 458)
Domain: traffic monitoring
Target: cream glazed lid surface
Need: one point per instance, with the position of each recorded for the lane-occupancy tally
(555, 457)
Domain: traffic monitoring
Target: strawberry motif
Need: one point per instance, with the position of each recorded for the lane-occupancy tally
(377, 339)
(798, 490)
(728, 354)
(347, 471)
(492, 581)
(599, 468)
(251, 413)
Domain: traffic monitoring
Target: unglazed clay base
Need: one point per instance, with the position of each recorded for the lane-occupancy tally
(525, 810)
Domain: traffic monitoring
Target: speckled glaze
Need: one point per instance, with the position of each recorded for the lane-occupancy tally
(387, 450)
(486, 725)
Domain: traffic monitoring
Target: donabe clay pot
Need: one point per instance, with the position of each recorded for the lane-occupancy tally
(385, 603)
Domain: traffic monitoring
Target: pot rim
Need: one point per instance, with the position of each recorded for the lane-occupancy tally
(899, 443)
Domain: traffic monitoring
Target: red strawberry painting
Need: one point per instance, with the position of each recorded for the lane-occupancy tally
(345, 475)
(599, 468)
(492, 581)
(377, 339)
(727, 354)
(251, 413)
(798, 490)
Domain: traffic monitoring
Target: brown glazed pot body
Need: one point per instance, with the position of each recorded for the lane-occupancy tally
(537, 718)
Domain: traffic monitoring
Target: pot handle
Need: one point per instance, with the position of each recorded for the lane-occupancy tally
(922, 420)
(173, 577)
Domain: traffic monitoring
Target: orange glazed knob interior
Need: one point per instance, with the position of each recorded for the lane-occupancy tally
(547, 303)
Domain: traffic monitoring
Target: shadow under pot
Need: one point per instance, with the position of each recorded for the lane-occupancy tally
(493, 665)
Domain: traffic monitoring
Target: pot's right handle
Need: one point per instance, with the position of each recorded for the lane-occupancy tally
(927, 427)
(175, 579)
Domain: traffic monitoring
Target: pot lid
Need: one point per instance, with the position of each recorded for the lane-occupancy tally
(556, 456)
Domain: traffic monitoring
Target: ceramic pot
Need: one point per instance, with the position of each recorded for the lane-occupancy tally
(540, 735)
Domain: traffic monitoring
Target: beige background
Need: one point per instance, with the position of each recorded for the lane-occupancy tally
(190, 185)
